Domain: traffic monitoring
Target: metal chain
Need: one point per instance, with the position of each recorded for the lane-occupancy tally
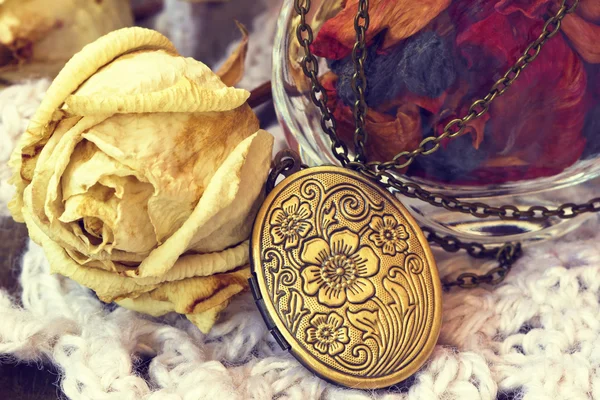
(479, 210)
(310, 67)
(505, 256)
(379, 171)
(359, 79)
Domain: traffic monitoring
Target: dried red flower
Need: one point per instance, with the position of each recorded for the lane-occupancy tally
(535, 129)
(401, 19)
(540, 119)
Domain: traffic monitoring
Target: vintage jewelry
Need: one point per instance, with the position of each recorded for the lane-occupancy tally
(342, 274)
(346, 280)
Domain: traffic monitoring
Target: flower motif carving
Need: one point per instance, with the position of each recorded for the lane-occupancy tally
(343, 271)
(326, 333)
(290, 222)
(388, 234)
(337, 270)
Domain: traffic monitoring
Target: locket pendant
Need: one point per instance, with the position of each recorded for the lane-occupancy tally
(345, 279)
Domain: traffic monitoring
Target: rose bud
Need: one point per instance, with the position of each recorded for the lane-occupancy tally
(38, 37)
(140, 175)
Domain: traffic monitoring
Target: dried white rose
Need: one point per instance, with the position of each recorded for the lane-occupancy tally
(38, 37)
(140, 175)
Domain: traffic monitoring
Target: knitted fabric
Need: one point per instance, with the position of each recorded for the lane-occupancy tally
(535, 336)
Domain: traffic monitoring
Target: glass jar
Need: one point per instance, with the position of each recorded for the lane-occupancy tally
(539, 144)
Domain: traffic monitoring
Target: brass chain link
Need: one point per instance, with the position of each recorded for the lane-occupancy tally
(359, 79)
(479, 210)
(379, 171)
(505, 256)
(310, 67)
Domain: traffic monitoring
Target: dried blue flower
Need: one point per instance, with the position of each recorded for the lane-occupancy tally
(454, 162)
(422, 65)
(427, 66)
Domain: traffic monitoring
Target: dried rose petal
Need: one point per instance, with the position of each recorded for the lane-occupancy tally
(389, 133)
(401, 18)
(590, 10)
(585, 37)
(38, 37)
(492, 44)
(200, 299)
(530, 8)
(541, 117)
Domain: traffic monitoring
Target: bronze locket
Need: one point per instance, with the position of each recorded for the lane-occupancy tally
(345, 278)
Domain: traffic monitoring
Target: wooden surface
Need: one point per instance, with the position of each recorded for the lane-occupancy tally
(20, 381)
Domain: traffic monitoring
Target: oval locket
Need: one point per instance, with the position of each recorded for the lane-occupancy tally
(345, 279)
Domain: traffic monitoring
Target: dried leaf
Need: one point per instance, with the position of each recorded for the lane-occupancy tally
(232, 71)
